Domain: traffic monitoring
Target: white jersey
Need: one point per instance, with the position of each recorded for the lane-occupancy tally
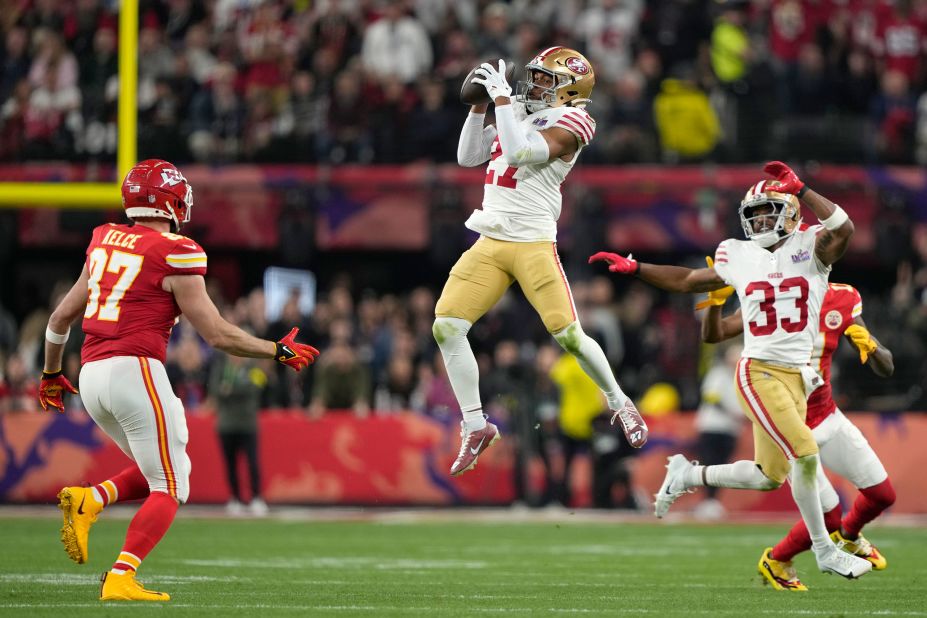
(522, 204)
(780, 294)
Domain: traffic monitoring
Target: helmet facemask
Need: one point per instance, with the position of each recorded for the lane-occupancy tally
(778, 217)
(548, 94)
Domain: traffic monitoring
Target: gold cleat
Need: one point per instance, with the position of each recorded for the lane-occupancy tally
(124, 587)
(860, 547)
(79, 509)
(781, 575)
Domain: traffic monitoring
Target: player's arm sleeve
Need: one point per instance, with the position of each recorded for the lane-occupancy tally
(475, 142)
(519, 148)
(185, 257)
(579, 123)
(857, 304)
(722, 264)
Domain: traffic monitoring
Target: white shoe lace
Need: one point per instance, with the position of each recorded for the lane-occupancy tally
(463, 442)
(627, 422)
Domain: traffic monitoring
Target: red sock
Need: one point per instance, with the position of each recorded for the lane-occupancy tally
(129, 484)
(147, 528)
(798, 539)
(868, 505)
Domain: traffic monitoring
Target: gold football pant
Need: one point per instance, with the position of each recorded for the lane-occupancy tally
(773, 397)
(486, 270)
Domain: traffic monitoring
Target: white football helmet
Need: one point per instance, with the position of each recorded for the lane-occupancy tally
(782, 208)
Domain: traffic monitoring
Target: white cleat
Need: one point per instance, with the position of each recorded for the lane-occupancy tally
(841, 563)
(673, 485)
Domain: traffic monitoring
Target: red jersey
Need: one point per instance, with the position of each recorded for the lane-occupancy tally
(901, 41)
(128, 313)
(841, 305)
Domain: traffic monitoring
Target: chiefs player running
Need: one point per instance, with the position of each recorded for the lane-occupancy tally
(843, 447)
(528, 154)
(137, 279)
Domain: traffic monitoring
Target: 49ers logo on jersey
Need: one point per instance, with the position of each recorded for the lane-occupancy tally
(577, 65)
(171, 177)
(833, 320)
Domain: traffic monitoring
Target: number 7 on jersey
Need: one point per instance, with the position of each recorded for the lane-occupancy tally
(101, 261)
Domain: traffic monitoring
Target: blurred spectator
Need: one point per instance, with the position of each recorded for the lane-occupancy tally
(493, 40)
(7, 330)
(97, 68)
(606, 31)
(186, 367)
(627, 129)
(719, 421)
(15, 60)
(436, 126)
(341, 382)
(396, 46)
(218, 118)
(580, 402)
(893, 116)
(687, 124)
(346, 137)
(18, 387)
(900, 42)
(199, 55)
(235, 384)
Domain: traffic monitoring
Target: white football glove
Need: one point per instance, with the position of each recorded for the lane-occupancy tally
(493, 80)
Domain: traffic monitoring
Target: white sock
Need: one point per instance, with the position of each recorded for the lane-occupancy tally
(462, 370)
(592, 360)
(804, 480)
(738, 475)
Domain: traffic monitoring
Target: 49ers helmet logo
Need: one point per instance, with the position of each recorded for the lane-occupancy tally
(577, 65)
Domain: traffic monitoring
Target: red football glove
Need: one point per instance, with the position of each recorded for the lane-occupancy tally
(51, 390)
(787, 179)
(293, 354)
(616, 263)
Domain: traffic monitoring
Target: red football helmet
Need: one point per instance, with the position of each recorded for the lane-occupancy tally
(156, 188)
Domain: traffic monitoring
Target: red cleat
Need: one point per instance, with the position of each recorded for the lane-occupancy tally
(471, 445)
(633, 425)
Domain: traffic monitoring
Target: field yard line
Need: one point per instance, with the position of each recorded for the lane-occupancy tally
(482, 610)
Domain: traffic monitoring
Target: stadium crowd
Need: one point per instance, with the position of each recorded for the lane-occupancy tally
(376, 80)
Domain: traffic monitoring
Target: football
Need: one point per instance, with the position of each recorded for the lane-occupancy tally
(475, 94)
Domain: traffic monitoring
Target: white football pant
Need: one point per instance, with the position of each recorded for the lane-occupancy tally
(131, 399)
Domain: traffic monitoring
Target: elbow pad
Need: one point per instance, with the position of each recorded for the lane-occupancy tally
(534, 150)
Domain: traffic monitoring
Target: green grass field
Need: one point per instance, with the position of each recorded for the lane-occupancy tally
(446, 568)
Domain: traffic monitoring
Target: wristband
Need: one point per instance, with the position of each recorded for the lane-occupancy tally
(51, 376)
(53, 337)
(838, 218)
(802, 191)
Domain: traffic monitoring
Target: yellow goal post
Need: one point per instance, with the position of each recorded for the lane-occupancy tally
(95, 195)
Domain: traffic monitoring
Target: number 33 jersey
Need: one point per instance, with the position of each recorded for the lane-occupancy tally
(128, 312)
(522, 204)
(780, 294)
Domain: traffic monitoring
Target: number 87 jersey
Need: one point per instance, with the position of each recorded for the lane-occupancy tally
(780, 294)
(128, 312)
